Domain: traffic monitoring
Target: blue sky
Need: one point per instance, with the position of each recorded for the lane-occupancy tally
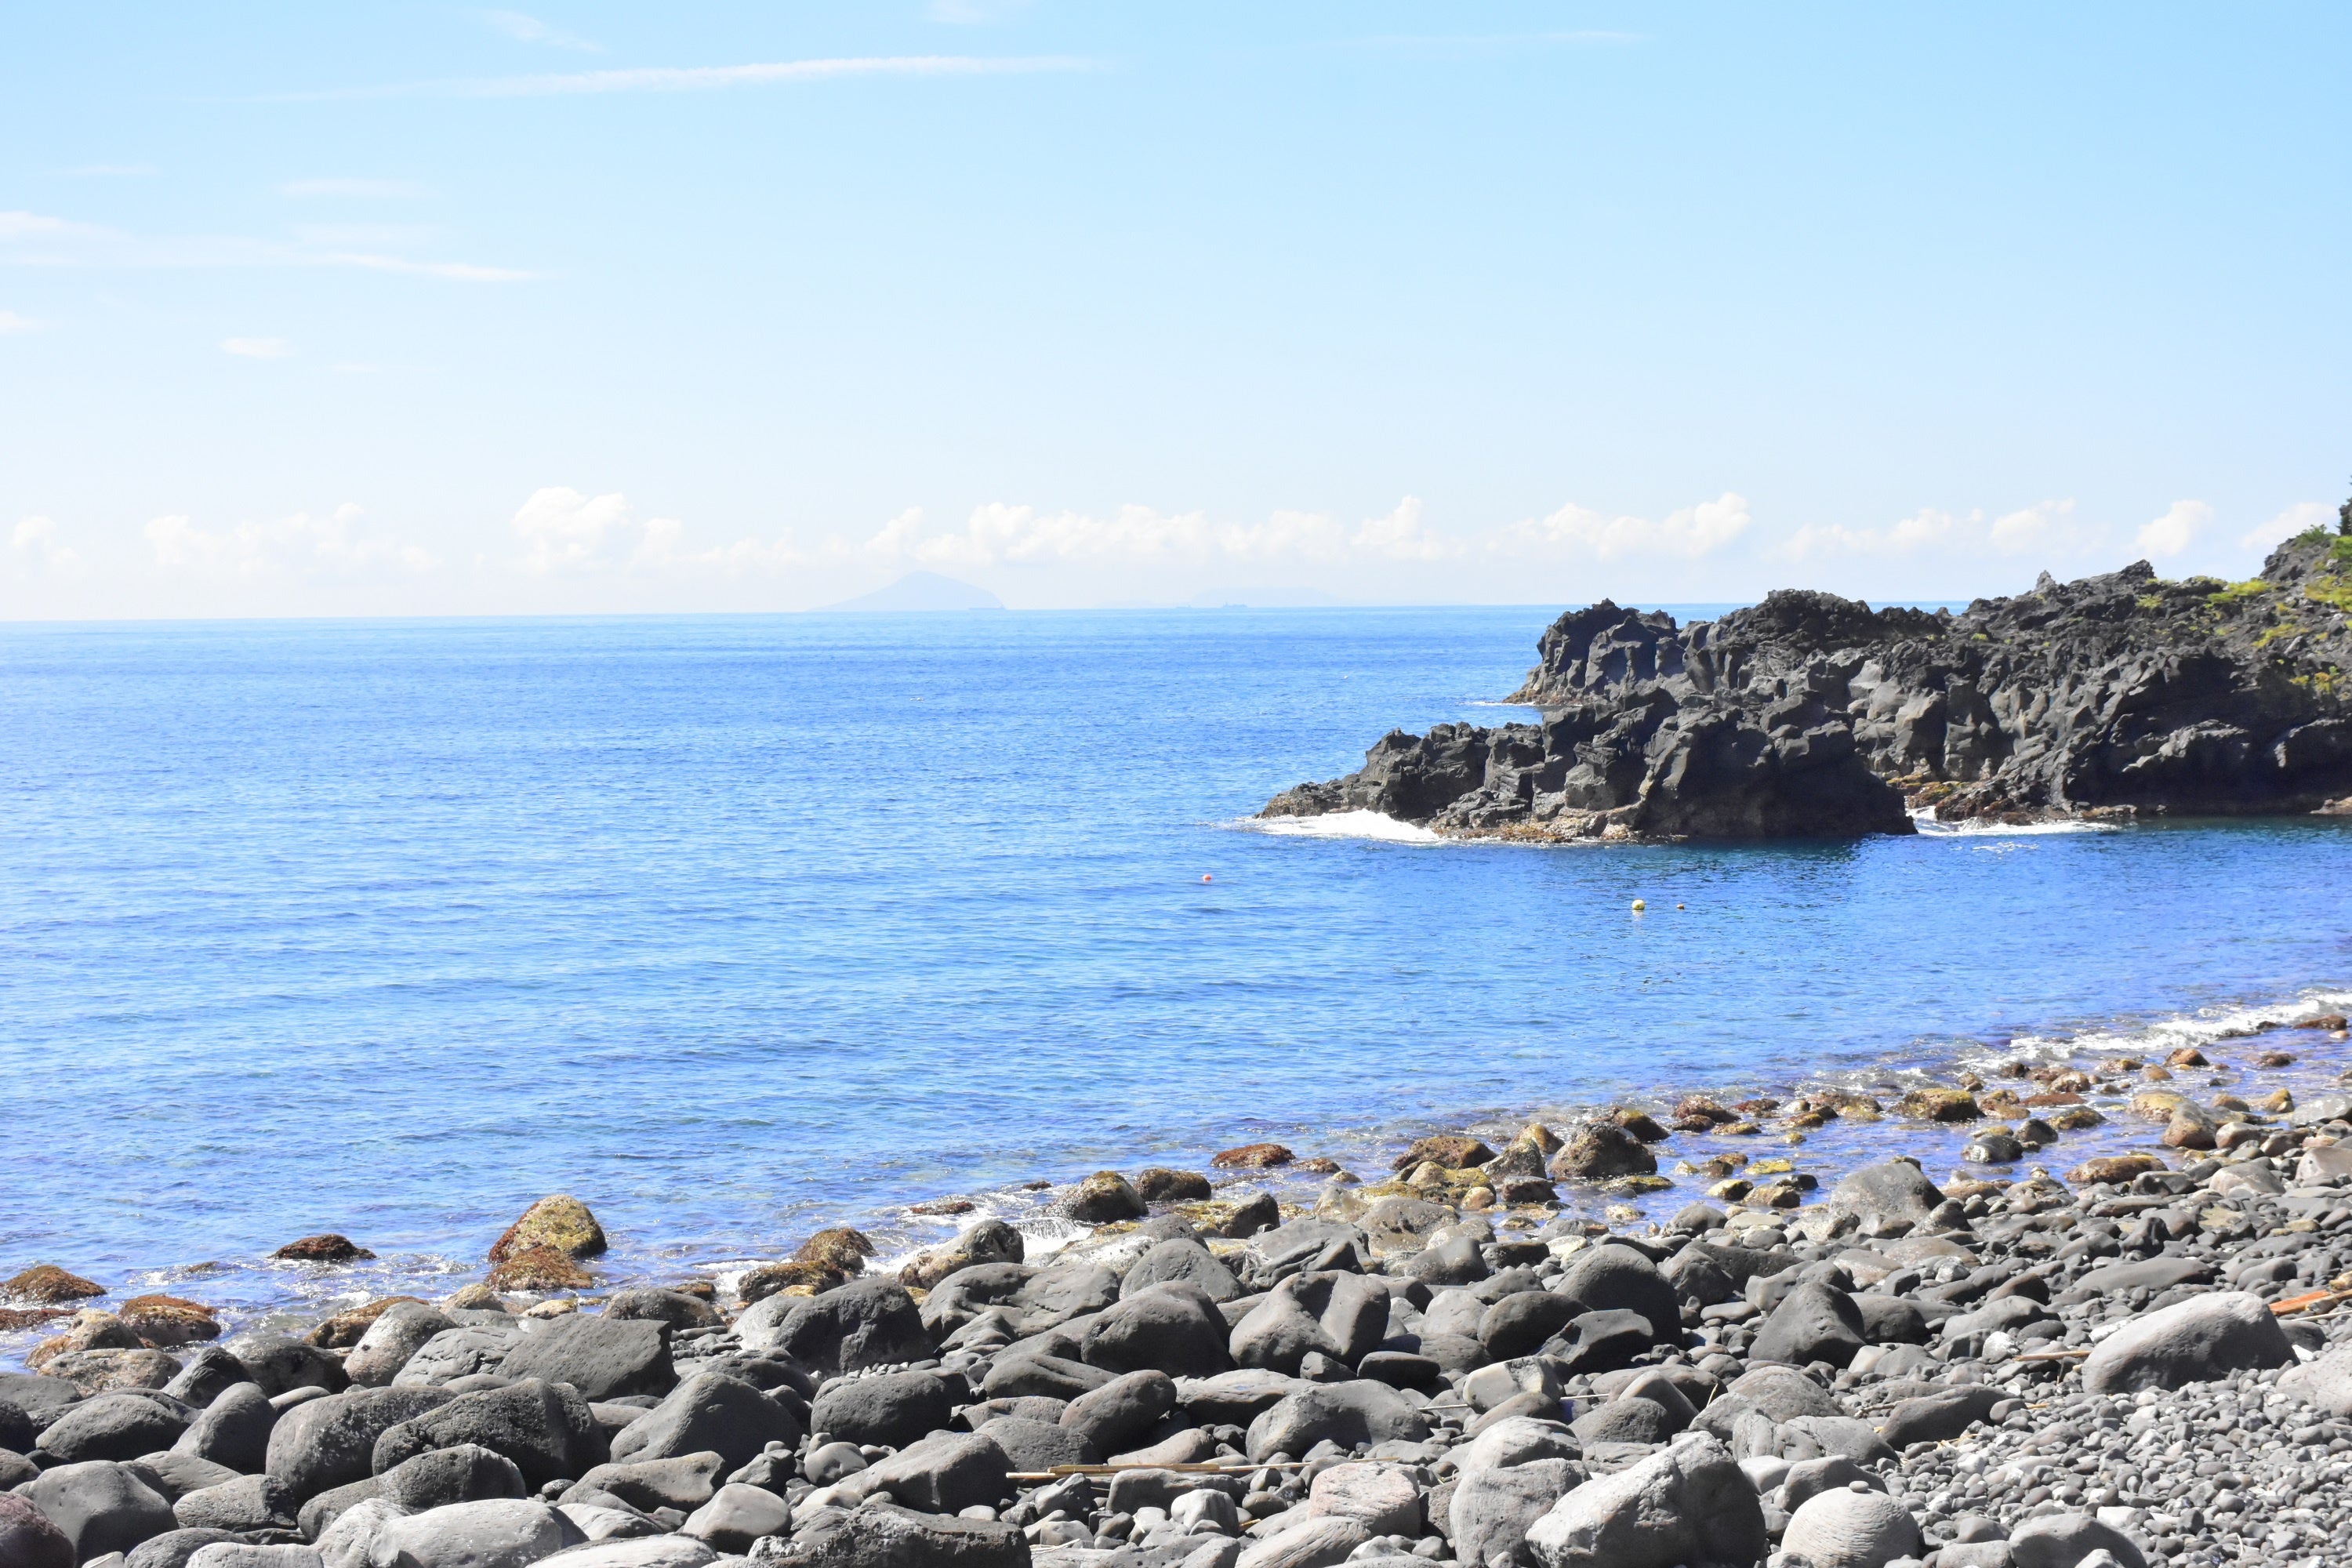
(424, 309)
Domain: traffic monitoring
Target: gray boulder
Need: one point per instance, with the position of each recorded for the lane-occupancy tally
(1173, 1327)
(893, 1409)
(2194, 1341)
(331, 1442)
(1848, 1529)
(350, 1538)
(111, 1426)
(1184, 1260)
(177, 1475)
(1494, 1506)
(42, 1398)
(675, 1307)
(711, 1411)
(1520, 1323)
(246, 1503)
(503, 1532)
(100, 1507)
(946, 1472)
(2325, 1382)
(1943, 1416)
(233, 1430)
(684, 1483)
(890, 1537)
(1690, 1504)
(1614, 1277)
(864, 1323)
(248, 1554)
(466, 1351)
(398, 1334)
(281, 1364)
(1359, 1411)
(1848, 1435)
(170, 1550)
(545, 1428)
(467, 1473)
(603, 1358)
(1815, 1321)
(1783, 1392)
(318, 1516)
(1032, 1375)
(2063, 1539)
(738, 1515)
(648, 1552)
(1340, 1315)
(1032, 1446)
(1625, 1421)
(205, 1373)
(1886, 1198)
(1122, 1412)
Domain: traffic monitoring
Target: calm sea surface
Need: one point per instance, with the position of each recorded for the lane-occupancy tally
(733, 927)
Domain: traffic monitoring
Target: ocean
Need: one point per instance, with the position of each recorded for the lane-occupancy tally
(735, 927)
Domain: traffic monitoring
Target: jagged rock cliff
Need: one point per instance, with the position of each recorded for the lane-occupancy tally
(1809, 715)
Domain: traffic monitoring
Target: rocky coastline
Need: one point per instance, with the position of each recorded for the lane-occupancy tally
(1812, 716)
(2111, 1335)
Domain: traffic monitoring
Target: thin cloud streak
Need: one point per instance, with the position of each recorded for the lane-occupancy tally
(696, 78)
(59, 242)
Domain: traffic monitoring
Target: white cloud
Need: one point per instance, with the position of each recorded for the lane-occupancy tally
(21, 225)
(12, 323)
(532, 30)
(2045, 525)
(565, 531)
(36, 239)
(1002, 534)
(1926, 528)
(2294, 520)
(297, 545)
(1691, 532)
(700, 79)
(34, 542)
(389, 190)
(258, 348)
(2171, 533)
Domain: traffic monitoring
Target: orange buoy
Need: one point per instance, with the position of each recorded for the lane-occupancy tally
(1206, 878)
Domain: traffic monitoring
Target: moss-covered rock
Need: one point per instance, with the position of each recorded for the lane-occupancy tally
(52, 1286)
(561, 1224)
(328, 1248)
(538, 1268)
(1941, 1105)
(1102, 1198)
(1601, 1151)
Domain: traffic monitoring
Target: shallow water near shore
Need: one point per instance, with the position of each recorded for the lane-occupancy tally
(734, 927)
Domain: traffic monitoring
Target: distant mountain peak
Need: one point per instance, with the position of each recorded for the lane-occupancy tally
(919, 592)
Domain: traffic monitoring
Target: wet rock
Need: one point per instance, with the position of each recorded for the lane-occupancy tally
(29, 1538)
(1848, 1529)
(2113, 1168)
(1939, 1105)
(89, 1329)
(118, 1426)
(546, 1429)
(1360, 1411)
(331, 1442)
(1102, 1198)
(893, 1537)
(1159, 1184)
(1600, 1151)
(990, 1241)
(1690, 1504)
(1343, 1316)
(674, 1307)
(561, 1224)
(1453, 1150)
(866, 1323)
(1253, 1157)
(324, 1247)
(233, 1430)
(603, 1357)
(501, 1532)
(892, 1410)
(50, 1285)
(100, 1507)
(538, 1268)
(713, 1412)
(2191, 1341)
(163, 1322)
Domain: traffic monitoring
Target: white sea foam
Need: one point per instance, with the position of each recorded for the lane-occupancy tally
(2160, 1038)
(1343, 824)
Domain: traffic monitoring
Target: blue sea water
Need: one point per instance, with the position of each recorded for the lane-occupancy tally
(735, 927)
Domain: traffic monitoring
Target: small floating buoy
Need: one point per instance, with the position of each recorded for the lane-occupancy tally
(1681, 906)
(1206, 878)
(1639, 906)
